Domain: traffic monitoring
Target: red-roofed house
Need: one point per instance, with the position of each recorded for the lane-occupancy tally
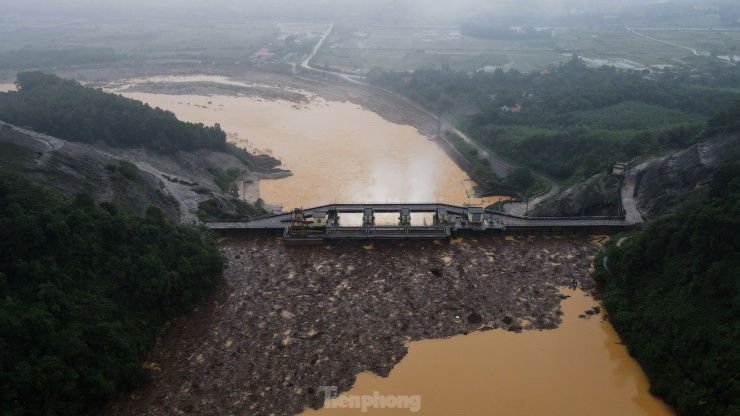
(263, 54)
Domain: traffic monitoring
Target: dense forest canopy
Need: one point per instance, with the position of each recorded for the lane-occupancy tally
(673, 293)
(84, 290)
(726, 121)
(66, 109)
(570, 121)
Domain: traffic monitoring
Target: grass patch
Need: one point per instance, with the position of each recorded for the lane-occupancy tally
(224, 179)
(629, 115)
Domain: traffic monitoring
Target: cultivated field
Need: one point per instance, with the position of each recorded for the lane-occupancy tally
(409, 48)
(352, 49)
(144, 39)
(414, 47)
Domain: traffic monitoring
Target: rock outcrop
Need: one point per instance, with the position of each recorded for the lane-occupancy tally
(598, 195)
(132, 178)
(680, 178)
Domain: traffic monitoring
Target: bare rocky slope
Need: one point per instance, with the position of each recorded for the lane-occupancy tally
(674, 181)
(680, 178)
(598, 195)
(176, 183)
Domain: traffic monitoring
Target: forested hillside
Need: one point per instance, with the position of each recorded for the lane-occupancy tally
(84, 290)
(65, 109)
(571, 121)
(672, 292)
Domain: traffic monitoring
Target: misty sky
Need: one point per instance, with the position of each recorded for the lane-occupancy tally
(332, 9)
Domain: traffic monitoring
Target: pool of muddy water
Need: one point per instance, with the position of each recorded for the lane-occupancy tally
(581, 368)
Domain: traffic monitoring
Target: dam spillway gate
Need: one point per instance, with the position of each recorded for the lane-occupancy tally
(409, 221)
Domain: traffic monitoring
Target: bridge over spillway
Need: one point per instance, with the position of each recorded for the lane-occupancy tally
(358, 221)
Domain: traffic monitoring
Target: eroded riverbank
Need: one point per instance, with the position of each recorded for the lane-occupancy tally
(289, 320)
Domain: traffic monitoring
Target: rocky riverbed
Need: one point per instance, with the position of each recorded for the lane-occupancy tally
(287, 320)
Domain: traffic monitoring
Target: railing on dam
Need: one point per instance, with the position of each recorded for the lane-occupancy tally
(388, 232)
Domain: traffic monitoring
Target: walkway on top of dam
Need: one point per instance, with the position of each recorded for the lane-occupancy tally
(324, 223)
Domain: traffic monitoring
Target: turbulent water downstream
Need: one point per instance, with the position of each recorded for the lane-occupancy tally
(341, 152)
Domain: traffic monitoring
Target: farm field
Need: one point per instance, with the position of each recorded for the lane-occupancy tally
(716, 41)
(409, 47)
(357, 48)
(414, 47)
(140, 38)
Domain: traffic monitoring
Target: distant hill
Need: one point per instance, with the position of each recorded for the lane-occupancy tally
(116, 149)
(65, 109)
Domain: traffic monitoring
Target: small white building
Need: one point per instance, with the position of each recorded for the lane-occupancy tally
(619, 169)
(319, 218)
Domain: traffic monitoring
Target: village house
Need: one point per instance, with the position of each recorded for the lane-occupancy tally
(263, 54)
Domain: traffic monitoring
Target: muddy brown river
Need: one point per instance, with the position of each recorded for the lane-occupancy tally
(338, 151)
(578, 369)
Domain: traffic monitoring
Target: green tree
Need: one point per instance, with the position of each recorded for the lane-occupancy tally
(84, 291)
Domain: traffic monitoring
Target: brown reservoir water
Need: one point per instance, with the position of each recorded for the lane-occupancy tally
(578, 369)
(337, 151)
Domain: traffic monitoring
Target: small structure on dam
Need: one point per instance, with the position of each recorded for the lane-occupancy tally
(320, 224)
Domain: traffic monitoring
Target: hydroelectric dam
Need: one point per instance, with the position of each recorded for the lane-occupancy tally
(410, 221)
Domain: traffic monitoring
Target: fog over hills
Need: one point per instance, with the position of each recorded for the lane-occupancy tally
(383, 11)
